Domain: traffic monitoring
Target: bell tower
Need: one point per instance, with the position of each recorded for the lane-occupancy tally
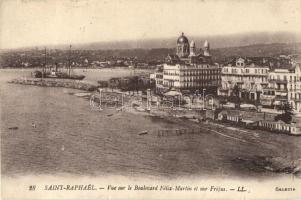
(192, 48)
(206, 48)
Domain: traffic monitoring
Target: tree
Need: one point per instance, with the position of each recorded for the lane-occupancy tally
(235, 92)
(134, 83)
(287, 113)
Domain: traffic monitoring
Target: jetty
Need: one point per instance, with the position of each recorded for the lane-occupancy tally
(49, 82)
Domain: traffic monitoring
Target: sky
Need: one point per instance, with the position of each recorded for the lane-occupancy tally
(25, 23)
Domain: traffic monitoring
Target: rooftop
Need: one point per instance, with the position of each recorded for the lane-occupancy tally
(270, 62)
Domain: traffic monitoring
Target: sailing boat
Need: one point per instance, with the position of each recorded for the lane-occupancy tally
(57, 74)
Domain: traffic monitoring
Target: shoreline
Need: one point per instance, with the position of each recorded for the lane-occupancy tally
(80, 68)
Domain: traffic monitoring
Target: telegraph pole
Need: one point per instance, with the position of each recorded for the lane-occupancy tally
(45, 63)
(204, 98)
(69, 64)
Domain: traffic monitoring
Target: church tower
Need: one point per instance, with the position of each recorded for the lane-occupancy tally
(206, 48)
(182, 46)
(192, 48)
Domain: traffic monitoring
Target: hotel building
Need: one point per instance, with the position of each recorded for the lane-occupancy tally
(189, 71)
(268, 81)
(250, 75)
(284, 86)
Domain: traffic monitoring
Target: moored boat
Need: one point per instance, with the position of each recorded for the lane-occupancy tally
(55, 73)
(143, 132)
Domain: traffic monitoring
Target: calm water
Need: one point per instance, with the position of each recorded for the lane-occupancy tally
(68, 137)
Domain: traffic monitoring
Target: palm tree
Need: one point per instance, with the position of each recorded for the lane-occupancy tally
(235, 92)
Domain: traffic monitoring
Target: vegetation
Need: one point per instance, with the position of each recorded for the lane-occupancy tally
(287, 114)
(235, 92)
(132, 83)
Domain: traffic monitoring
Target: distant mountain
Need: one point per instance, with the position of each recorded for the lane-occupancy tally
(257, 50)
(216, 41)
(220, 41)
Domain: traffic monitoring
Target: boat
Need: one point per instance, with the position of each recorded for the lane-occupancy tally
(62, 75)
(13, 128)
(54, 73)
(143, 132)
(57, 75)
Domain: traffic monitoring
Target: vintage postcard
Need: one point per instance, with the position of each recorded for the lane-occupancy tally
(149, 99)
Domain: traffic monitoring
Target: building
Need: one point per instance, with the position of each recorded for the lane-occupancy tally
(261, 121)
(159, 80)
(249, 75)
(267, 81)
(293, 128)
(189, 70)
(284, 86)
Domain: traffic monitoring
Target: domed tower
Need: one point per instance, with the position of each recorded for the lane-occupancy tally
(206, 48)
(182, 46)
(192, 48)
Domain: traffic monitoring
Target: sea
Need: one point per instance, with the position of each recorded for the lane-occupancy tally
(50, 131)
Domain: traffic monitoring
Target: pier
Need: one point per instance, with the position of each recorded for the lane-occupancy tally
(49, 82)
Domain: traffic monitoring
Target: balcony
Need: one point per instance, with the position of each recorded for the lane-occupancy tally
(223, 90)
(281, 98)
(281, 90)
(278, 81)
(296, 99)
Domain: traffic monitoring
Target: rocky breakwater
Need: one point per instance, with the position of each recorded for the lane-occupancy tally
(49, 82)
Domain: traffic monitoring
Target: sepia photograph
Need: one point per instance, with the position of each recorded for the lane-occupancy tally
(150, 99)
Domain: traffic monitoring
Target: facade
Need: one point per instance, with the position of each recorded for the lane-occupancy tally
(280, 126)
(260, 122)
(270, 82)
(159, 81)
(284, 86)
(249, 75)
(189, 70)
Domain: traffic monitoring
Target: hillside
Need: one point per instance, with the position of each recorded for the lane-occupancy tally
(35, 57)
(257, 50)
(216, 41)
